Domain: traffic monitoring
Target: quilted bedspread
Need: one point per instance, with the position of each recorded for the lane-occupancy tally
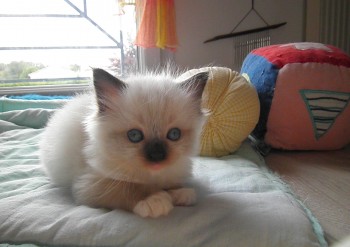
(240, 203)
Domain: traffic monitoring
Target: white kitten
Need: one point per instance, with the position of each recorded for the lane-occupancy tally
(127, 144)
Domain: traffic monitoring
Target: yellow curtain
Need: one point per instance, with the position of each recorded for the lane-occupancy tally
(157, 27)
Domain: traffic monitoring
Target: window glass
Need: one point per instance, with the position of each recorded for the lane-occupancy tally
(59, 41)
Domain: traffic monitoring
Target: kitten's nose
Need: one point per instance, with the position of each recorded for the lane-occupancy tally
(156, 151)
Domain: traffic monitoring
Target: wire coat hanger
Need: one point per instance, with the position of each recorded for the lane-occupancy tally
(254, 30)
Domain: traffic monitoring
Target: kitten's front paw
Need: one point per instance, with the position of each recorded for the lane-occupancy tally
(183, 196)
(155, 205)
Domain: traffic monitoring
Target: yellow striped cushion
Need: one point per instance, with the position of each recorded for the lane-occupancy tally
(234, 110)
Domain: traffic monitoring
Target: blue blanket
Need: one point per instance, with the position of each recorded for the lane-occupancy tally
(240, 203)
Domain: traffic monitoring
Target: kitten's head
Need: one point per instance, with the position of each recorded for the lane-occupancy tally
(147, 126)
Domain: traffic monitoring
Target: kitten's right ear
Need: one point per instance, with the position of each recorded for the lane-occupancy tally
(196, 84)
(107, 87)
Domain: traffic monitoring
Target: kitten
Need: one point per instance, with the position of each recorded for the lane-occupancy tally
(127, 144)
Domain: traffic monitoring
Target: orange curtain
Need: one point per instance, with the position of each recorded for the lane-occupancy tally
(157, 27)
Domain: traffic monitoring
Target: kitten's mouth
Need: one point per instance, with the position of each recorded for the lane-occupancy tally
(155, 166)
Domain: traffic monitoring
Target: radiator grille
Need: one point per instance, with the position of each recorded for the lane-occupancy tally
(243, 45)
(335, 23)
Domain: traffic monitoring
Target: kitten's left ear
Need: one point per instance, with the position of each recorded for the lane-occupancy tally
(196, 84)
(107, 87)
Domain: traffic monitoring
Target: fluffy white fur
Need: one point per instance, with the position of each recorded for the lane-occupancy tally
(85, 145)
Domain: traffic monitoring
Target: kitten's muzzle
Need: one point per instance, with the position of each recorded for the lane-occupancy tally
(156, 150)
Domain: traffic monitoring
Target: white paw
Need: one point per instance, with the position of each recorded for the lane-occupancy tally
(155, 205)
(183, 196)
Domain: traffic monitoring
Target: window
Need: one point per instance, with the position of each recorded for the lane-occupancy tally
(57, 42)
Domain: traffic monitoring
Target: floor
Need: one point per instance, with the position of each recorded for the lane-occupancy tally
(322, 181)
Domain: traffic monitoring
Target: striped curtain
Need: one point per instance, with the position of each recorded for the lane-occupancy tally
(157, 27)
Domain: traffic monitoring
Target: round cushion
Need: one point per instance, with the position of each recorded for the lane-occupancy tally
(233, 106)
(304, 91)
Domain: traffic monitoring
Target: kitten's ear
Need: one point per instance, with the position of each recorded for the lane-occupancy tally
(107, 87)
(196, 84)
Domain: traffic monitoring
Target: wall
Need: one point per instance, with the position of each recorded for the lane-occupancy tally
(199, 20)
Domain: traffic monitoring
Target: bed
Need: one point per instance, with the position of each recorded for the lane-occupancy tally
(241, 203)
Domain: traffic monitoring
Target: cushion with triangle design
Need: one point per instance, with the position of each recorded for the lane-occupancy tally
(304, 93)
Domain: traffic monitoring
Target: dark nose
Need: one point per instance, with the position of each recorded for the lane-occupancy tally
(156, 151)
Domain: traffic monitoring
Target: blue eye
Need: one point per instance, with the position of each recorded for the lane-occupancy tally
(135, 135)
(174, 134)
